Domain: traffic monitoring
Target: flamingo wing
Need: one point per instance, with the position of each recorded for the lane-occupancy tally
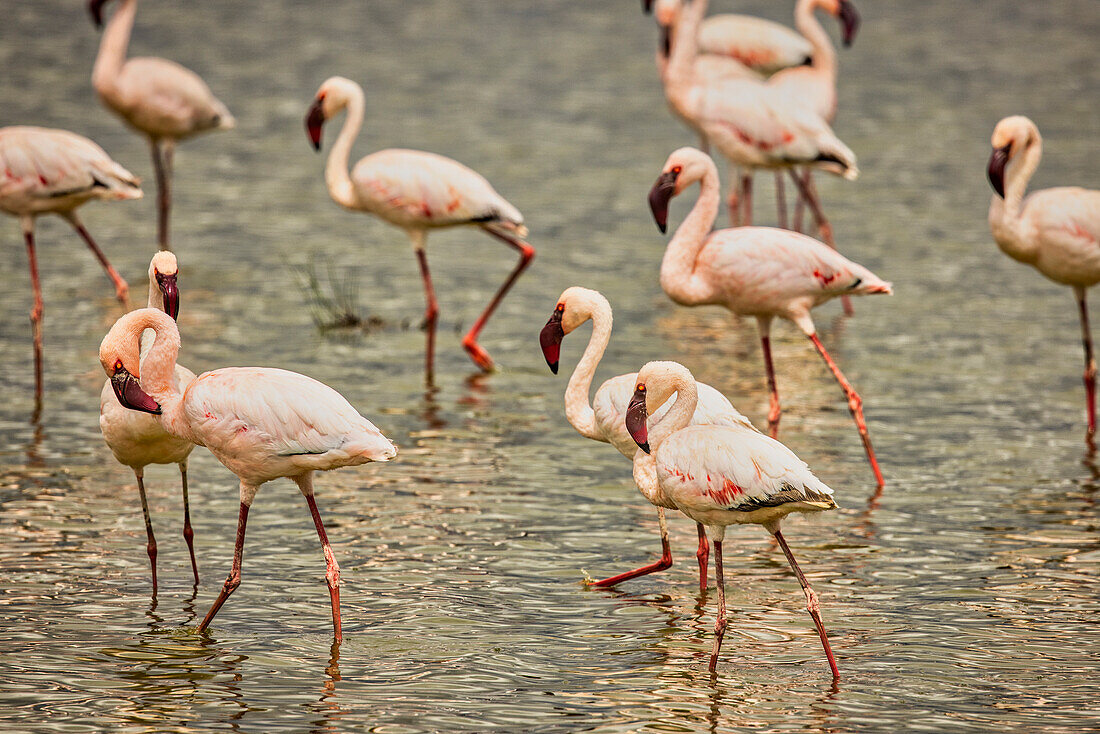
(162, 97)
(755, 42)
(42, 163)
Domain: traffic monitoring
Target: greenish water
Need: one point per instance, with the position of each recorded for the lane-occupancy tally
(965, 599)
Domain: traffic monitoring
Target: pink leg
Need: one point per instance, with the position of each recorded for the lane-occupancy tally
(122, 291)
(527, 253)
(720, 622)
(855, 405)
(1090, 367)
(36, 318)
(703, 554)
(664, 563)
(151, 547)
(799, 207)
(780, 199)
(188, 533)
(811, 602)
(746, 200)
(431, 315)
(234, 578)
(332, 568)
(774, 410)
(805, 188)
(161, 167)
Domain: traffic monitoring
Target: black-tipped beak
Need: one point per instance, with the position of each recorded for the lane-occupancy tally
(659, 196)
(95, 7)
(636, 417)
(130, 394)
(170, 293)
(666, 40)
(550, 339)
(997, 163)
(849, 22)
(315, 120)
(647, 6)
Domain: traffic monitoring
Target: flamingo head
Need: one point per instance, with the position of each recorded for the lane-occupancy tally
(95, 7)
(120, 362)
(574, 307)
(653, 387)
(163, 271)
(1011, 136)
(332, 97)
(849, 20)
(683, 168)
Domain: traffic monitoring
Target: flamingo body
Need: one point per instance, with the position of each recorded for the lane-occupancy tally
(758, 43)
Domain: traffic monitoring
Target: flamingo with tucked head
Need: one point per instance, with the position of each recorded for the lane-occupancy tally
(417, 192)
(1056, 231)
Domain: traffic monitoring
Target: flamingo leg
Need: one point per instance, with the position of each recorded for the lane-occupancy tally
(234, 579)
(469, 342)
(806, 190)
(36, 315)
(780, 200)
(332, 568)
(799, 207)
(188, 532)
(704, 144)
(774, 409)
(720, 622)
(122, 290)
(734, 202)
(855, 405)
(1090, 367)
(811, 601)
(746, 201)
(662, 564)
(431, 311)
(162, 167)
(151, 547)
(703, 554)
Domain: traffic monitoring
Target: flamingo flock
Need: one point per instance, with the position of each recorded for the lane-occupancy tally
(761, 95)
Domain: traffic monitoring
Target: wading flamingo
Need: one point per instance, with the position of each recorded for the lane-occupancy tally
(415, 191)
(261, 423)
(157, 97)
(719, 476)
(1057, 231)
(48, 171)
(752, 124)
(137, 439)
(602, 420)
(755, 271)
(762, 45)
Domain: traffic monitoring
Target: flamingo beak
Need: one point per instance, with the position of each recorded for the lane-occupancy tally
(647, 6)
(849, 21)
(636, 416)
(130, 394)
(550, 339)
(659, 197)
(315, 120)
(171, 294)
(997, 163)
(95, 7)
(666, 40)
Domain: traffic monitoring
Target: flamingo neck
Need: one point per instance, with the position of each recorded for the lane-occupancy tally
(685, 48)
(156, 300)
(158, 367)
(678, 277)
(339, 183)
(578, 409)
(824, 53)
(113, 45)
(680, 414)
(1018, 175)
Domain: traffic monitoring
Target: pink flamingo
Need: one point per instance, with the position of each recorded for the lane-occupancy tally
(159, 98)
(261, 423)
(54, 172)
(761, 45)
(755, 271)
(136, 439)
(602, 420)
(416, 191)
(719, 476)
(1057, 231)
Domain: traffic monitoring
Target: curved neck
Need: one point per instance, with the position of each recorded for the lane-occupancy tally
(680, 414)
(112, 46)
(1017, 176)
(685, 42)
(678, 266)
(336, 170)
(824, 54)
(158, 367)
(577, 407)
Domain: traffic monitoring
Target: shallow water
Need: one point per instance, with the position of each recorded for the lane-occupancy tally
(964, 599)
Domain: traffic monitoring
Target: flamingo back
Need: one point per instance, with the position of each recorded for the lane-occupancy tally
(164, 99)
(758, 43)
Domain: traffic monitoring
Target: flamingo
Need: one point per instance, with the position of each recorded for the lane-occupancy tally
(752, 124)
(1056, 231)
(136, 439)
(755, 271)
(416, 191)
(261, 423)
(602, 420)
(48, 171)
(719, 476)
(761, 45)
(159, 98)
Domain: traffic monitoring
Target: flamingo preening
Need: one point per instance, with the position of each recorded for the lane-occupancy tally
(45, 171)
(159, 98)
(755, 271)
(720, 476)
(602, 419)
(415, 191)
(136, 439)
(1057, 231)
(261, 423)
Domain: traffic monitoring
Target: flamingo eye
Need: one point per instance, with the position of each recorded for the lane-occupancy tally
(677, 169)
(560, 308)
(118, 365)
(641, 387)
